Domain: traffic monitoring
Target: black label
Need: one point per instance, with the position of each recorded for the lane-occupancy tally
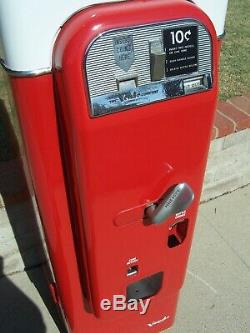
(181, 47)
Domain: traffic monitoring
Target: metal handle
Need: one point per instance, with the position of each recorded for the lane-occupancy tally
(174, 202)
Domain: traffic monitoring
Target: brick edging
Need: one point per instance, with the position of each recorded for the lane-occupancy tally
(232, 116)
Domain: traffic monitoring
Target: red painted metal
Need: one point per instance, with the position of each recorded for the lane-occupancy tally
(34, 98)
(122, 162)
(94, 177)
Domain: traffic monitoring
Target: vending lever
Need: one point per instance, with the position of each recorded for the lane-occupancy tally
(175, 201)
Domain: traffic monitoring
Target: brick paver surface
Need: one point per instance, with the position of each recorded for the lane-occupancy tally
(232, 116)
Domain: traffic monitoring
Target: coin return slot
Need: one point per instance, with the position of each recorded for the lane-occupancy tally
(178, 233)
(132, 271)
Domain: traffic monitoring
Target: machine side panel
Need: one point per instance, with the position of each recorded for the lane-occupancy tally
(34, 98)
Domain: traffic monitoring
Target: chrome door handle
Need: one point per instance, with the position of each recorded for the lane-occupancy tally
(177, 200)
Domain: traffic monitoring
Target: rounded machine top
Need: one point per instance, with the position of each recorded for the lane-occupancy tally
(28, 51)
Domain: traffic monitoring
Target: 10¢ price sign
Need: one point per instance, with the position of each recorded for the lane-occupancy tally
(181, 47)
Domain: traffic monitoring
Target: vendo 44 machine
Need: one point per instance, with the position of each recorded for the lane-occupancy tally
(116, 103)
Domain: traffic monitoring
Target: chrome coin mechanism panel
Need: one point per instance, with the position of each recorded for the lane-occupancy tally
(132, 67)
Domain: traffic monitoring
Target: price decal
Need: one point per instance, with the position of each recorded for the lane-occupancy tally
(181, 47)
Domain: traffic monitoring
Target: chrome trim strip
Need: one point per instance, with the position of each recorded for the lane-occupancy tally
(35, 72)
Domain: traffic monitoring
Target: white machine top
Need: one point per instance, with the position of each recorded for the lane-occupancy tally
(216, 10)
(28, 29)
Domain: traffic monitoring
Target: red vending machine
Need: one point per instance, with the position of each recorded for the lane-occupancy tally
(116, 118)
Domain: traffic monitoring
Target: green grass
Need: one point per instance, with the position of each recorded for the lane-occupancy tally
(235, 57)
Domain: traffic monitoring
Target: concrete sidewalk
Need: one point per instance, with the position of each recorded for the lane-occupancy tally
(216, 294)
(214, 299)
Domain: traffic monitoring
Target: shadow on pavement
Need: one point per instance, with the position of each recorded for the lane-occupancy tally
(23, 220)
(17, 312)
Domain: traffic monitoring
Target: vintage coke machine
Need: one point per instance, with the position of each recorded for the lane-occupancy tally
(116, 103)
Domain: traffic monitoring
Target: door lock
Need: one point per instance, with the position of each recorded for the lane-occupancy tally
(175, 201)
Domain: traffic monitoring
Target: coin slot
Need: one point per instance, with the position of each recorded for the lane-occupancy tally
(127, 83)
